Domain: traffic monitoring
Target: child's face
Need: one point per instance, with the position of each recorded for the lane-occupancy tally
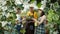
(19, 11)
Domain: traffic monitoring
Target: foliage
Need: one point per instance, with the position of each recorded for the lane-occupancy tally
(39, 5)
(22, 31)
(31, 1)
(53, 15)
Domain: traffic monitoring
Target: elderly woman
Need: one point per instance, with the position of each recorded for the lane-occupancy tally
(30, 24)
(40, 28)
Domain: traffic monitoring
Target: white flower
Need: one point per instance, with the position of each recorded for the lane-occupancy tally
(4, 23)
(17, 2)
(8, 15)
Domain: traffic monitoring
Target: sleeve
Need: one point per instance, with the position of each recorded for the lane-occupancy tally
(28, 13)
(35, 15)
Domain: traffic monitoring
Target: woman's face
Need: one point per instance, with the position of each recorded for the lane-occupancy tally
(39, 11)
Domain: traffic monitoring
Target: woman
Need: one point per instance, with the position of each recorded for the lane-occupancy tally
(40, 28)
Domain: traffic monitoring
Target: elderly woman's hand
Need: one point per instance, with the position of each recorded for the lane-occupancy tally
(34, 19)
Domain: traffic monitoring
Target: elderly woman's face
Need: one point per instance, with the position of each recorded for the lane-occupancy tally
(31, 8)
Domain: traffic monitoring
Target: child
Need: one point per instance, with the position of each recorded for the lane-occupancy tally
(18, 20)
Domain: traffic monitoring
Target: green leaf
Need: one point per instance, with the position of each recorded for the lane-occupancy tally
(20, 6)
(22, 31)
(8, 3)
(31, 1)
(3, 18)
(55, 17)
(39, 5)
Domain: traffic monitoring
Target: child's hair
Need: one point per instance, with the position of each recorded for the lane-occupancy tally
(18, 9)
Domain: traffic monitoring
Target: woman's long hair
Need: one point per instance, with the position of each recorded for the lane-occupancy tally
(42, 13)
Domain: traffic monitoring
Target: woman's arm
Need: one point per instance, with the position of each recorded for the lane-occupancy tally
(41, 20)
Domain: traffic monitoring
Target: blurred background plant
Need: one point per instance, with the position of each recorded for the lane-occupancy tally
(51, 9)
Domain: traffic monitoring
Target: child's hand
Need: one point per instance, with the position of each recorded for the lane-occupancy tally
(23, 19)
